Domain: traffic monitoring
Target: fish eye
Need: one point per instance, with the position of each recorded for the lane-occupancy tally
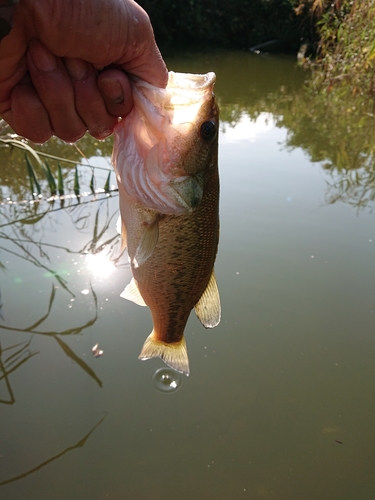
(208, 130)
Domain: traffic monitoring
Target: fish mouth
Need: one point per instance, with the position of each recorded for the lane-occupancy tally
(187, 191)
(183, 82)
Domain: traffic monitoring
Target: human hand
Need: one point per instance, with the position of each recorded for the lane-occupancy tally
(49, 63)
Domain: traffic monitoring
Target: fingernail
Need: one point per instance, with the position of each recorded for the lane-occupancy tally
(42, 58)
(77, 68)
(112, 90)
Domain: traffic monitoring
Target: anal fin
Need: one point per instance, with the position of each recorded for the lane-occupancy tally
(208, 308)
(174, 354)
(132, 293)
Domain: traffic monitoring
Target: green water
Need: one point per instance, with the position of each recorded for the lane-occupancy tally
(280, 402)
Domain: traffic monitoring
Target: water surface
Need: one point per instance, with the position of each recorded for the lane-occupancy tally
(280, 401)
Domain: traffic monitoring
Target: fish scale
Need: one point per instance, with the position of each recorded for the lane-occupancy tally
(171, 245)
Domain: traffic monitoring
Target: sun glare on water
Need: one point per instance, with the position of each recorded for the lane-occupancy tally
(100, 265)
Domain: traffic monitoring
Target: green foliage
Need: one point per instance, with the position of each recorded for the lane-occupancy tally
(32, 178)
(43, 179)
(60, 180)
(347, 49)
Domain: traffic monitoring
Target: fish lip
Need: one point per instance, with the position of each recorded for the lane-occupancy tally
(181, 81)
(191, 81)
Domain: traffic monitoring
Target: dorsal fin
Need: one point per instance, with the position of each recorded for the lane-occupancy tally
(208, 308)
(132, 293)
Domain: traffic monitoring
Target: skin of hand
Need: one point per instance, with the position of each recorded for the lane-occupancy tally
(62, 66)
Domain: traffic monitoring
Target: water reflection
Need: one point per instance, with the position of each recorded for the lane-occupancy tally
(33, 329)
(11, 358)
(337, 131)
(29, 233)
(78, 444)
(247, 129)
(29, 238)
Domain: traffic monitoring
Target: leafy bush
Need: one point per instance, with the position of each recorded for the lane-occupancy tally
(347, 48)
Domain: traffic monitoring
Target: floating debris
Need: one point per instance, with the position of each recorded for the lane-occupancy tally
(96, 351)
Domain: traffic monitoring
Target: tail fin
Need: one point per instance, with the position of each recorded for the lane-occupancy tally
(174, 355)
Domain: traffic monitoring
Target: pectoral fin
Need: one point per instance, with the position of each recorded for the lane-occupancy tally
(121, 229)
(132, 293)
(174, 355)
(147, 243)
(208, 308)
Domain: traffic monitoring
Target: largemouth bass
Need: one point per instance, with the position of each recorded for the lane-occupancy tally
(166, 160)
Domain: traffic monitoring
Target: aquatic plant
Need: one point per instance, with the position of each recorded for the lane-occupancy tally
(32, 171)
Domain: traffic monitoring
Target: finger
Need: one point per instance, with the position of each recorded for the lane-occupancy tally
(89, 101)
(27, 115)
(142, 56)
(53, 85)
(116, 90)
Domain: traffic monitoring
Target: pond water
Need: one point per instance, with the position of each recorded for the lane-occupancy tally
(280, 402)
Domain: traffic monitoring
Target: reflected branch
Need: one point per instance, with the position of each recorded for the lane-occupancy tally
(30, 258)
(12, 363)
(79, 444)
(43, 318)
(78, 361)
(19, 355)
(32, 219)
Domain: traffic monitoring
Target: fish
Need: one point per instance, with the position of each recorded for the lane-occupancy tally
(165, 156)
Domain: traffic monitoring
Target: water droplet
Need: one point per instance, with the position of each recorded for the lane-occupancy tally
(167, 380)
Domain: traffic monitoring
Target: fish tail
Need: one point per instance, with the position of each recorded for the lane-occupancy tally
(174, 354)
